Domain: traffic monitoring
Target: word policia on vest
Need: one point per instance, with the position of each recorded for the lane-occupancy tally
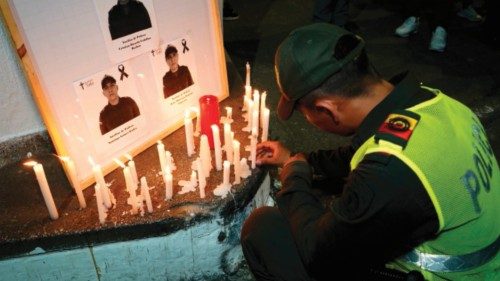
(483, 159)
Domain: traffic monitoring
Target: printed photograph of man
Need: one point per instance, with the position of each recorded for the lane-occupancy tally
(178, 77)
(119, 110)
(127, 17)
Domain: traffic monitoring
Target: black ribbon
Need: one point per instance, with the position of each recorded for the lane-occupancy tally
(121, 68)
(184, 45)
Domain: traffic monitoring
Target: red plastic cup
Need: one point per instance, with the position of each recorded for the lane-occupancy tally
(209, 115)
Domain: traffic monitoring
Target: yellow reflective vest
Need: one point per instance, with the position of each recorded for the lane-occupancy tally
(445, 145)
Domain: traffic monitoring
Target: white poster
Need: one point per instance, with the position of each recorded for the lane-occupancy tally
(112, 108)
(129, 27)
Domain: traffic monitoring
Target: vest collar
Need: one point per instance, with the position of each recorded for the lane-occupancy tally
(406, 93)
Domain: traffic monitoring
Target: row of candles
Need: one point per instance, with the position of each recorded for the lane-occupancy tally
(256, 114)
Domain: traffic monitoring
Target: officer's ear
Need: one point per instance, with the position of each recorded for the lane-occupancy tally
(330, 106)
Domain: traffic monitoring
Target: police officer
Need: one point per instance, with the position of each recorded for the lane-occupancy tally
(417, 189)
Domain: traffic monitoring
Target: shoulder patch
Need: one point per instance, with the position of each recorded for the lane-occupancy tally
(398, 127)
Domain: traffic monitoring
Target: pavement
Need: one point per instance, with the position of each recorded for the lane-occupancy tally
(468, 70)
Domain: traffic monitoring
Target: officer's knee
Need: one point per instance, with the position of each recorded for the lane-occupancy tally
(259, 224)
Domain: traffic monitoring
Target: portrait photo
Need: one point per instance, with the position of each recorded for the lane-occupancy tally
(178, 77)
(112, 107)
(127, 17)
(129, 27)
(118, 110)
(175, 72)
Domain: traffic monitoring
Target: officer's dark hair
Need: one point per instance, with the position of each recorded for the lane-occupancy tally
(171, 49)
(349, 82)
(106, 80)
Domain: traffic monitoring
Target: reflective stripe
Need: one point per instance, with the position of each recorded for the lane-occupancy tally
(445, 263)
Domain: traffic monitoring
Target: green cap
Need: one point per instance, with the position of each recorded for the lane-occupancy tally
(305, 59)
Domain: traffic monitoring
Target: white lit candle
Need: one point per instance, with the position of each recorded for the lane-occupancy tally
(229, 113)
(202, 183)
(253, 150)
(227, 172)
(133, 171)
(263, 97)
(265, 124)
(129, 182)
(248, 116)
(247, 97)
(225, 187)
(167, 178)
(236, 161)
(256, 100)
(247, 76)
(228, 142)
(245, 170)
(255, 122)
(145, 194)
(193, 180)
(198, 121)
(170, 161)
(70, 167)
(217, 147)
(99, 178)
(101, 209)
(45, 189)
(188, 128)
(161, 155)
(206, 157)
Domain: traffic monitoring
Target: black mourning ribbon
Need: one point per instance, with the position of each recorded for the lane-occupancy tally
(184, 45)
(121, 68)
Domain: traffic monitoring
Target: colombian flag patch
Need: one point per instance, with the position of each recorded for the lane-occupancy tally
(398, 127)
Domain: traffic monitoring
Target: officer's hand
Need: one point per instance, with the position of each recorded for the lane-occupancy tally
(272, 153)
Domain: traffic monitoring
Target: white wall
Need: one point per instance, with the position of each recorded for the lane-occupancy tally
(19, 115)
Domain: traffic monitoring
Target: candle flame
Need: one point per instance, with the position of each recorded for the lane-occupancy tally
(140, 75)
(63, 158)
(80, 139)
(195, 109)
(128, 156)
(91, 161)
(120, 163)
(30, 163)
(66, 132)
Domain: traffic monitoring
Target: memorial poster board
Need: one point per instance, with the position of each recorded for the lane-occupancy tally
(111, 80)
